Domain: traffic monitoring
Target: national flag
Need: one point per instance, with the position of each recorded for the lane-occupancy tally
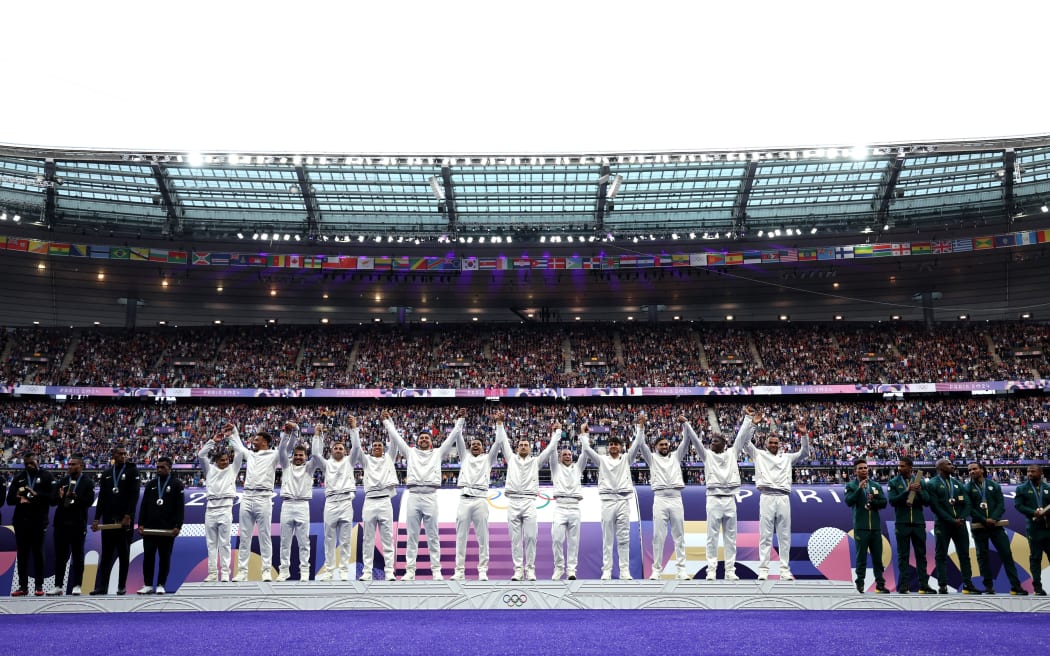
(734, 258)
(39, 247)
(1003, 241)
(238, 259)
(752, 257)
(366, 263)
(201, 258)
(644, 262)
(900, 250)
(522, 263)
(96, 252)
(317, 262)
(962, 245)
(611, 263)
(1027, 238)
(826, 253)
(716, 259)
(278, 261)
(3, 242)
(176, 257)
(504, 263)
(680, 259)
(382, 263)
(418, 264)
(844, 253)
(119, 254)
(770, 256)
(628, 261)
(574, 262)
(296, 262)
(881, 250)
(789, 255)
(1043, 236)
(662, 261)
(487, 263)
(138, 254)
(470, 264)
(14, 244)
(941, 247)
(58, 249)
(808, 254)
(863, 251)
(401, 263)
(221, 259)
(592, 262)
(158, 255)
(920, 248)
(77, 250)
(255, 260)
(432, 263)
(983, 243)
(557, 263)
(539, 263)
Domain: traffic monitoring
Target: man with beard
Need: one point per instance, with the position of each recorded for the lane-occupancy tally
(257, 501)
(380, 484)
(521, 488)
(118, 495)
(568, 493)
(220, 477)
(163, 509)
(907, 494)
(340, 485)
(986, 501)
(665, 472)
(73, 497)
(1032, 499)
(951, 505)
(475, 475)
(866, 497)
(30, 494)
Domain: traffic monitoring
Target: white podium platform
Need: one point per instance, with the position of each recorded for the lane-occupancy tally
(504, 595)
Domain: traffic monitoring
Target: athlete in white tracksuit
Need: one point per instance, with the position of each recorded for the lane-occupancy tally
(220, 477)
(256, 502)
(422, 480)
(339, 488)
(773, 470)
(722, 474)
(297, 489)
(380, 484)
(615, 489)
(475, 475)
(665, 478)
(521, 488)
(568, 493)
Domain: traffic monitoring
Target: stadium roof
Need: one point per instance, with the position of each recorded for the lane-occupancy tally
(337, 196)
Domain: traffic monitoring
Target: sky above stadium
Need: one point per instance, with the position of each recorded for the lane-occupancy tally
(571, 76)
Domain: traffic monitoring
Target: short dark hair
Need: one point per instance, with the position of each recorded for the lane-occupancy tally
(299, 447)
(908, 460)
(614, 440)
(266, 436)
(860, 461)
(29, 454)
(981, 466)
(164, 459)
(77, 456)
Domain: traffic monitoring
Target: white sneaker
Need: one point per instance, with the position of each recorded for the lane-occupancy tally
(730, 576)
(625, 575)
(241, 577)
(571, 575)
(267, 576)
(304, 576)
(211, 578)
(344, 575)
(283, 575)
(160, 589)
(606, 575)
(388, 575)
(436, 575)
(763, 574)
(483, 576)
(787, 576)
(76, 591)
(457, 576)
(409, 576)
(225, 577)
(530, 574)
(324, 575)
(558, 574)
(145, 590)
(518, 575)
(655, 576)
(365, 576)
(711, 574)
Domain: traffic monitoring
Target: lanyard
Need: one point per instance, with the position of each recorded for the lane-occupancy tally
(161, 489)
(72, 486)
(984, 492)
(116, 481)
(29, 482)
(951, 488)
(1038, 494)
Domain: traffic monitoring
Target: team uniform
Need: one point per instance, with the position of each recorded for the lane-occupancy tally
(950, 501)
(615, 489)
(773, 479)
(340, 487)
(565, 531)
(380, 484)
(256, 507)
(1029, 497)
(986, 501)
(118, 496)
(475, 475)
(722, 474)
(221, 489)
(909, 528)
(665, 477)
(163, 508)
(71, 522)
(30, 523)
(521, 488)
(297, 488)
(867, 529)
(422, 481)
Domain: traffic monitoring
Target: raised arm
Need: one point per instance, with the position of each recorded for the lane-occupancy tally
(236, 443)
(639, 443)
(745, 435)
(454, 437)
(803, 452)
(502, 439)
(284, 454)
(356, 451)
(317, 448)
(396, 441)
(585, 445)
(552, 446)
(689, 436)
(204, 455)
(238, 458)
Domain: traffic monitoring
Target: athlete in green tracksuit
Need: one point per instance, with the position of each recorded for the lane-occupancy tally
(866, 497)
(951, 504)
(987, 508)
(1030, 499)
(907, 494)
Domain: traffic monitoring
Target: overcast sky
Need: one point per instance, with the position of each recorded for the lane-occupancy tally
(565, 76)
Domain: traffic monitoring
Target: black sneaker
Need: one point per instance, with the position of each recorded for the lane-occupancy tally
(97, 592)
(121, 591)
(942, 590)
(969, 588)
(926, 589)
(882, 589)
(572, 577)
(902, 590)
(860, 587)
(1039, 591)
(1018, 591)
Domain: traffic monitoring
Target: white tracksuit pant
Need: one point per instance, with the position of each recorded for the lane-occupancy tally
(256, 511)
(378, 511)
(338, 524)
(421, 508)
(472, 510)
(295, 520)
(668, 510)
(721, 518)
(774, 513)
(566, 527)
(521, 520)
(218, 522)
(616, 525)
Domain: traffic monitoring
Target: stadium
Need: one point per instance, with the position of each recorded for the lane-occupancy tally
(872, 301)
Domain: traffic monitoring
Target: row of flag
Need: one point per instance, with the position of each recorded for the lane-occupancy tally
(605, 262)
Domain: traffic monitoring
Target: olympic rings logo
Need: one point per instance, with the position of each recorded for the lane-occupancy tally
(515, 600)
(542, 501)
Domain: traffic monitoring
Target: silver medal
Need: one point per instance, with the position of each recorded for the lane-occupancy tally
(160, 502)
